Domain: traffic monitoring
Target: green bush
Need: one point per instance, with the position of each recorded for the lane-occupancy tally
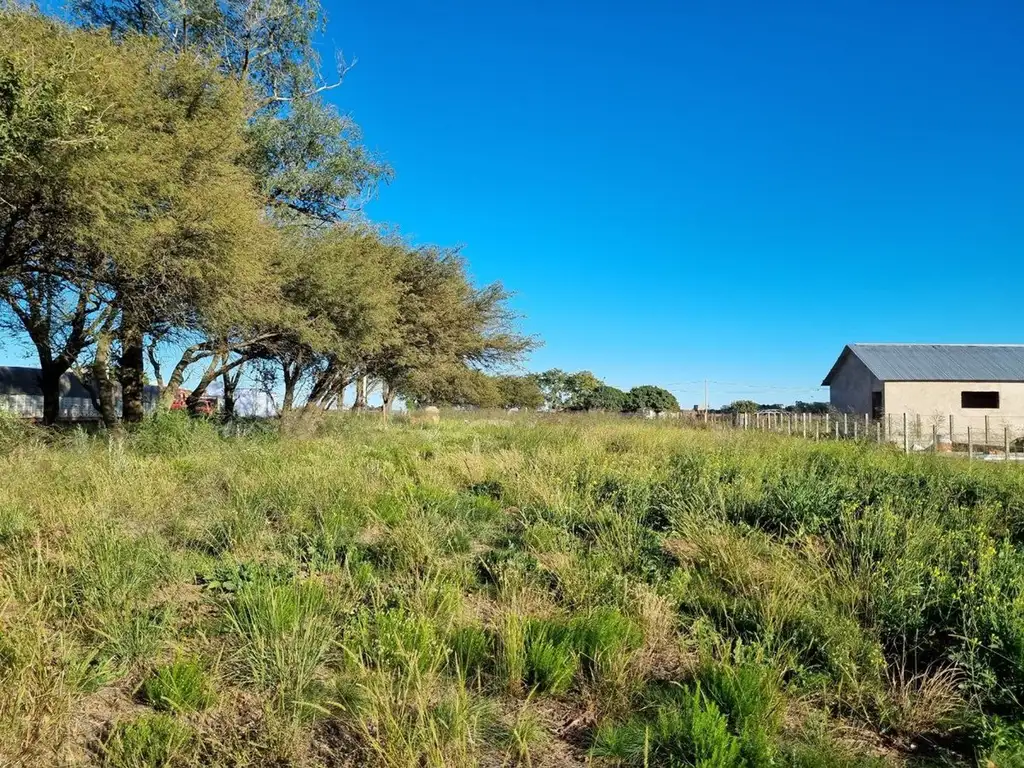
(689, 731)
(181, 686)
(551, 660)
(746, 689)
(149, 741)
(603, 639)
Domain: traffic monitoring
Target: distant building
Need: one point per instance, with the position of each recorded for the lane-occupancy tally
(21, 393)
(933, 381)
(249, 402)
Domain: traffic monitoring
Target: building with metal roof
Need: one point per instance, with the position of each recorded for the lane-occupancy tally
(16, 380)
(21, 393)
(979, 385)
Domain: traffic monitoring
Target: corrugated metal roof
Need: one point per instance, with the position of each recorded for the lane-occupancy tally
(937, 362)
(16, 380)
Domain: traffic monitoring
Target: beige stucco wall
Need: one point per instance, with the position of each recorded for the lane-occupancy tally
(851, 387)
(935, 401)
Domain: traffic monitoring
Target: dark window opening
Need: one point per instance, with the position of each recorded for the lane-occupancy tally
(876, 405)
(979, 399)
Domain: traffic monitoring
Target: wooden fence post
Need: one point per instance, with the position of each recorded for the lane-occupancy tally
(935, 438)
(986, 430)
(951, 441)
(970, 443)
(1006, 443)
(906, 437)
(888, 426)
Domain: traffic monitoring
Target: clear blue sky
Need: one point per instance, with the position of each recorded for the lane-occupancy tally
(681, 190)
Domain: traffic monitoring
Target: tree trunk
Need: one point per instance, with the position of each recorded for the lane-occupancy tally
(326, 386)
(218, 366)
(101, 381)
(196, 395)
(230, 383)
(290, 374)
(49, 382)
(360, 401)
(132, 373)
(154, 361)
(229, 400)
(388, 395)
(170, 391)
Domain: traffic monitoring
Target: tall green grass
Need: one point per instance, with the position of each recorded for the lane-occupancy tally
(503, 591)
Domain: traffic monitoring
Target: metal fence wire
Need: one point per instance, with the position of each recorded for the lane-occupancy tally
(982, 436)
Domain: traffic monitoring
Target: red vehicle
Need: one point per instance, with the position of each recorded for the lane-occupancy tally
(207, 406)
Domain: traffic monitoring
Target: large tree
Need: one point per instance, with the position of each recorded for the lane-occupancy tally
(604, 398)
(307, 158)
(519, 392)
(567, 390)
(125, 204)
(344, 281)
(648, 397)
(443, 322)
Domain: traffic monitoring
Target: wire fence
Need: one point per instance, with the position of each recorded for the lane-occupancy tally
(984, 437)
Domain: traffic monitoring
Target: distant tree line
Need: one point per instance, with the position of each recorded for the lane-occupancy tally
(178, 200)
(553, 390)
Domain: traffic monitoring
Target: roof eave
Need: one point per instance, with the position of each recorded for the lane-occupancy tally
(847, 351)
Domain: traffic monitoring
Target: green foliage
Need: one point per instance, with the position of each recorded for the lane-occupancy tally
(422, 596)
(648, 397)
(551, 659)
(306, 156)
(747, 690)
(563, 390)
(742, 406)
(181, 686)
(284, 634)
(149, 741)
(446, 329)
(688, 731)
(519, 392)
(472, 651)
(604, 398)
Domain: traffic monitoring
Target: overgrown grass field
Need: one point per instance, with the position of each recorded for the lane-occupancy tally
(538, 593)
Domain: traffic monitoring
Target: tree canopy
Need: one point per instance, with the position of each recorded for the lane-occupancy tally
(604, 398)
(172, 179)
(126, 206)
(650, 397)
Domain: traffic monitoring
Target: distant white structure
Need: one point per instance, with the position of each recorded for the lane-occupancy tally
(249, 401)
(21, 393)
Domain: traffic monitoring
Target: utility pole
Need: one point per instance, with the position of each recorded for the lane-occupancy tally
(705, 401)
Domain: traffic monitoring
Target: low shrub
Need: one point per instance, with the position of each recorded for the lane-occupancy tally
(689, 730)
(149, 741)
(182, 686)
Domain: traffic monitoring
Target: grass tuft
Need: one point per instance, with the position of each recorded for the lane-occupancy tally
(182, 686)
(149, 741)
